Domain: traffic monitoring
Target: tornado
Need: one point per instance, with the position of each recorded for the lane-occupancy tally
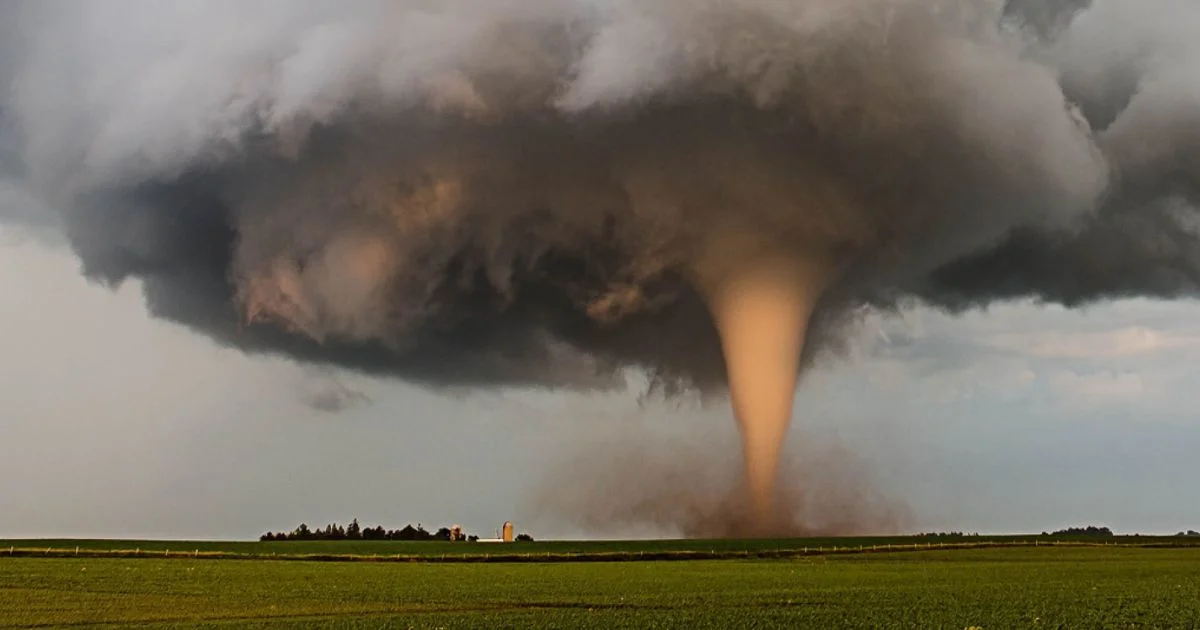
(761, 296)
(591, 195)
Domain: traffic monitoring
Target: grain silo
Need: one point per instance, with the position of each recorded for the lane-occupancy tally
(507, 535)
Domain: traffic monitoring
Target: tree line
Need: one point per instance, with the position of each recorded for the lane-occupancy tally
(354, 531)
(1090, 530)
(1104, 532)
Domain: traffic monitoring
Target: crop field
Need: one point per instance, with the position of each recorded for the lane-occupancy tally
(1008, 586)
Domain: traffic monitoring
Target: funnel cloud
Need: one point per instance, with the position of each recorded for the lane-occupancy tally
(549, 193)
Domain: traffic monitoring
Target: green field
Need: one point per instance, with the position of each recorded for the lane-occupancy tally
(999, 587)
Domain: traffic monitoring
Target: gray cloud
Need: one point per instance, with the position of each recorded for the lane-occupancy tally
(1131, 68)
(325, 392)
(525, 192)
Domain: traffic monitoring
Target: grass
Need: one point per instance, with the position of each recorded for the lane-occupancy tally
(1003, 587)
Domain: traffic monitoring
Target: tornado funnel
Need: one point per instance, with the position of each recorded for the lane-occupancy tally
(761, 300)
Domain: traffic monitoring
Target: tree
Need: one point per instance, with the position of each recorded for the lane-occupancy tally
(1090, 530)
(524, 538)
(355, 531)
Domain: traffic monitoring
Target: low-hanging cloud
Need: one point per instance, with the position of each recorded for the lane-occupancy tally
(525, 191)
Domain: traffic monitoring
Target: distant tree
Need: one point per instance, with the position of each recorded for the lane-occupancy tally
(1091, 530)
(302, 533)
(472, 538)
(524, 538)
(355, 531)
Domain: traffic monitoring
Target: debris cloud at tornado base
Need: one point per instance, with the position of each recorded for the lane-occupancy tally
(548, 193)
(623, 482)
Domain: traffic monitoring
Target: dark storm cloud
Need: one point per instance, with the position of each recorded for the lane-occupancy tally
(1131, 68)
(523, 192)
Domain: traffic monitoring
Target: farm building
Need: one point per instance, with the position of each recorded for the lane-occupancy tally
(505, 534)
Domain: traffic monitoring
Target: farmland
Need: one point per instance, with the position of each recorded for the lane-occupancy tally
(994, 587)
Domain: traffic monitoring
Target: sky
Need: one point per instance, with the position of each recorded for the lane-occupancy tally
(1022, 418)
